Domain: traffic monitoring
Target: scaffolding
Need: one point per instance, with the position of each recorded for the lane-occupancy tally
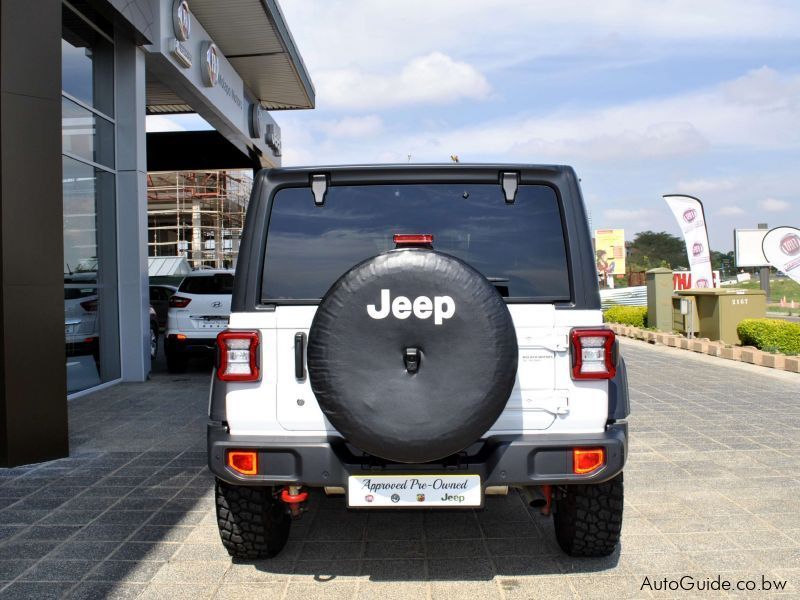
(197, 214)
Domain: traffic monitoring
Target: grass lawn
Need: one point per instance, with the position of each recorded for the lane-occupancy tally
(778, 288)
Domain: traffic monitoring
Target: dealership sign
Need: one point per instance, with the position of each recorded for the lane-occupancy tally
(688, 211)
(210, 70)
(182, 28)
(781, 246)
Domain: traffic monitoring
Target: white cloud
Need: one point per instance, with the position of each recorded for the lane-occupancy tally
(682, 125)
(432, 79)
(505, 31)
(638, 219)
(696, 187)
(730, 211)
(658, 140)
(774, 205)
(618, 214)
(353, 127)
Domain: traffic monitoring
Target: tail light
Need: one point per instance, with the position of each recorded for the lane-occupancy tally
(586, 460)
(179, 302)
(89, 305)
(593, 354)
(406, 240)
(243, 461)
(237, 356)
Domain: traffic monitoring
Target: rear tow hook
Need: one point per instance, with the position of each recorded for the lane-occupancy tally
(295, 499)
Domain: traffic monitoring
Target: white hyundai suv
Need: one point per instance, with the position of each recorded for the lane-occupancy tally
(198, 311)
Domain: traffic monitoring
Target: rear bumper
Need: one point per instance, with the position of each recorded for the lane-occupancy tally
(516, 460)
(189, 345)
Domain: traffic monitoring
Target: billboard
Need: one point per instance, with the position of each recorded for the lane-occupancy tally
(688, 211)
(609, 251)
(782, 248)
(747, 247)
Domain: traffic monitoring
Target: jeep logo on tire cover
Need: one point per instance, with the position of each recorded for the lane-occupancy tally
(441, 307)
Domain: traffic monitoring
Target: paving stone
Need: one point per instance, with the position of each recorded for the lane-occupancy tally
(710, 488)
(10, 569)
(460, 569)
(84, 550)
(92, 590)
(329, 590)
(141, 571)
(145, 551)
(396, 549)
(259, 571)
(18, 548)
(59, 570)
(207, 571)
(331, 550)
(393, 590)
(177, 591)
(460, 590)
(255, 591)
(26, 590)
(395, 569)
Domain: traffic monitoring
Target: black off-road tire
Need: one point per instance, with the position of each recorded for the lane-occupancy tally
(252, 523)
(177, 363)
(588, 518)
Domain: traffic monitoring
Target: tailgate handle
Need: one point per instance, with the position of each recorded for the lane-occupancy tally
(300, 355)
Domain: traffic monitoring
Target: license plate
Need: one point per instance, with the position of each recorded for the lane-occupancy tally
(419, 491)
(220, 324)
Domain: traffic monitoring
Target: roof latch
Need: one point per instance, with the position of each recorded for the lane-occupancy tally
(510, 182)
(319, 187)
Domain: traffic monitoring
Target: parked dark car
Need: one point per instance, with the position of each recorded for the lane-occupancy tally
(159, 300)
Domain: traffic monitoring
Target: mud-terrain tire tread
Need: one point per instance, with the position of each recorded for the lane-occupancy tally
(588, 518)
(252, 524)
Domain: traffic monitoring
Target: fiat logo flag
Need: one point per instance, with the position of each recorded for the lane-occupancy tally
(688, 212)
(781, 246)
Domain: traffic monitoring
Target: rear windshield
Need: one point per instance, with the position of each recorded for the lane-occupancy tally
(519, 247)
(208, 284)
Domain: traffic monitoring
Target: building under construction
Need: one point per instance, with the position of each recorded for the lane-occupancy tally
(197, 214)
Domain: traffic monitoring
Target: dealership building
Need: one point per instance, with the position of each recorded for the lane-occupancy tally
(79, 78)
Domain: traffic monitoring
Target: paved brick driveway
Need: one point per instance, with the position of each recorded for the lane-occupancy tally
(711, 488)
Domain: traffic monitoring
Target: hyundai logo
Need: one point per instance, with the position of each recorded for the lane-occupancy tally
(216, 304)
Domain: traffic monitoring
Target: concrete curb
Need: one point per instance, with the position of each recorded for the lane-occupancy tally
(745, 354)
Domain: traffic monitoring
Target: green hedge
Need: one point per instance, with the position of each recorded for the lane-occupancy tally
(772, 335)
(627, 315)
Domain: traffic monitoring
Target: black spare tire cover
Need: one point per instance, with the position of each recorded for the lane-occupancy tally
(357, 362)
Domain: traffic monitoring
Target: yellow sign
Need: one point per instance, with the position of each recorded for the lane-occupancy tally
(609, 252)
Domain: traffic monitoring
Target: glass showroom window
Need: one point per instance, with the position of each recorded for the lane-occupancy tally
(91, 314)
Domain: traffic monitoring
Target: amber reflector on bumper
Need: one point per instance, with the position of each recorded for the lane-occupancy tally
(586, 460)
(243, 461)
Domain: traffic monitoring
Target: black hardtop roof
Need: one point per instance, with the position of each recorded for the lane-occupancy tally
(424, 166)
(562, 178)
(558, 175)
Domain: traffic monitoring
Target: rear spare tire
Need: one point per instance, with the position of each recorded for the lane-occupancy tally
(372, 323)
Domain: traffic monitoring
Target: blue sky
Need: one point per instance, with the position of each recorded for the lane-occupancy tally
(642, 98)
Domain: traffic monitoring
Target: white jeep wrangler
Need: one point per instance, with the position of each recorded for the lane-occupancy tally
(417, 336)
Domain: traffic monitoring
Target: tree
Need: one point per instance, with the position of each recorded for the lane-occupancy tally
(650, 249)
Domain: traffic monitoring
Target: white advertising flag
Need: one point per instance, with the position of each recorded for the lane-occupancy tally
(688, 212)
(782, 248)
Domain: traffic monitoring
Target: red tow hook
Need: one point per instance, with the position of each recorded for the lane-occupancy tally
(547, 492)
(294, 498)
